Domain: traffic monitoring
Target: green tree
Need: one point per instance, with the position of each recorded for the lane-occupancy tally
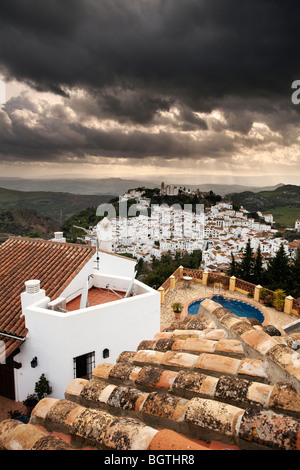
(278, 272)
(258, 270)
(246, 266)
(233, 267)
(163, 268)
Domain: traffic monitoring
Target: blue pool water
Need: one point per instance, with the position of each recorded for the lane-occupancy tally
(238, 307)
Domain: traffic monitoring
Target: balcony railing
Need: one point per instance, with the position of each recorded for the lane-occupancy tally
(210, 278)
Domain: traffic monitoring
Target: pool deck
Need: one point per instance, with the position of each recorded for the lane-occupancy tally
(189, 292)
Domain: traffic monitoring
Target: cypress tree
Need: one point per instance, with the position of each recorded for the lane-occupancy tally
(258, 269)
(233, 268)
(278, 273)
(247, 263)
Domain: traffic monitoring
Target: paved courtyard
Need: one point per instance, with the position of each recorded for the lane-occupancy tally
(185, 292)
(7, 405)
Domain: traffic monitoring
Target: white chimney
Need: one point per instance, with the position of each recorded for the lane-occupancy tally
(33, 293)
(59, 237)
(33, 286)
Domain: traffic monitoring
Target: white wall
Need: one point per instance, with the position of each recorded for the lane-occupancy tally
(108, 264)
(75, 287)
(56, 338)
(116, 265)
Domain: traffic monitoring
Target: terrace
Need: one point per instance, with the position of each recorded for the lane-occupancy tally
(96, 296)
(179, 288)
(103, 289)
(92, 320)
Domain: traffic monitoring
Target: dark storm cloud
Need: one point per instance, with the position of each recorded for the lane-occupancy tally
(26, 133)
(136, 58)
(194, 49)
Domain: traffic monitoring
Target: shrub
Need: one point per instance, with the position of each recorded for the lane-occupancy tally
(42, 387)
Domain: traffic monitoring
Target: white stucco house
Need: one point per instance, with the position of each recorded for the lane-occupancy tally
(65, 307)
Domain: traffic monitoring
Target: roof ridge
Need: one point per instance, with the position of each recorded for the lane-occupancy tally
(52, 242)
(196, 418)
(102, 430)
(188, 384)
(179, 385)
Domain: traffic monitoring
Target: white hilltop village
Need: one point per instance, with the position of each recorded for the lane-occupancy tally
(219, 231)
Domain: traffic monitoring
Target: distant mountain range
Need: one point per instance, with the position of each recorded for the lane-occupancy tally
(56, 205)
(113, 186)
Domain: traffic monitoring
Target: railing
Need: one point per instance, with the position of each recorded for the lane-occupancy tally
(244, 285)
(209, 278)
(195, 273)
(166, 284)
(176, 274)
(296, 304)
(217, 277)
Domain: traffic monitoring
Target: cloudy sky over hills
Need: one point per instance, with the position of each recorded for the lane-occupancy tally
(135, 88)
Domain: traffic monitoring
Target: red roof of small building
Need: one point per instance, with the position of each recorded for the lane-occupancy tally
(21, 259)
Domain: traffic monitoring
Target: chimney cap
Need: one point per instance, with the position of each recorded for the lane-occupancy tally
(32, 286)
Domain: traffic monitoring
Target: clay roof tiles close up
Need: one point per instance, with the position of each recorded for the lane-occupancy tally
(211, 381)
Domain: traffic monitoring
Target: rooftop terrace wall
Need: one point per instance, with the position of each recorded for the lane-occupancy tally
(57, 337)
(232, 283)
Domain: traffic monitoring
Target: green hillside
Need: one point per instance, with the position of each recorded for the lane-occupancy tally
(283, 202)
(26, 223)
(58, 206)
(286, 215)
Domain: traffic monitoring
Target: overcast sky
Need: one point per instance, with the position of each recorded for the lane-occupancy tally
(150, 88)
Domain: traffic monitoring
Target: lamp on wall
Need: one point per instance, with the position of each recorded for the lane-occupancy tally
(105, 353)
(34, 362)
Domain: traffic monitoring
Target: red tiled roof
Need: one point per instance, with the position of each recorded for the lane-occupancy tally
(21, 259)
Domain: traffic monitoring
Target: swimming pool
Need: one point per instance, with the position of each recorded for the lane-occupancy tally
(238, 307)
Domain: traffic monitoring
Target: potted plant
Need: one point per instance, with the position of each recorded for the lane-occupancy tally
(269, 299)
(30, 402)
(177, 309)
(262, 295)
(42, 387)
(279, 299)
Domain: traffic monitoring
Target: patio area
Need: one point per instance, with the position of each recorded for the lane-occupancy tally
(7, 405)
(186, 292)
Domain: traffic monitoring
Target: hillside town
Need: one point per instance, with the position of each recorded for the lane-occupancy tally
(220, 231)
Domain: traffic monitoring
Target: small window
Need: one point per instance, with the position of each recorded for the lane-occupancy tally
(84, 366)
(105, 353)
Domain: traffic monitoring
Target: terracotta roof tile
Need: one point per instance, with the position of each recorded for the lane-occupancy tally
(15, 435)
(219, 418)
(258, 427)
(170, 440)
(21, 259)
(169, 394)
